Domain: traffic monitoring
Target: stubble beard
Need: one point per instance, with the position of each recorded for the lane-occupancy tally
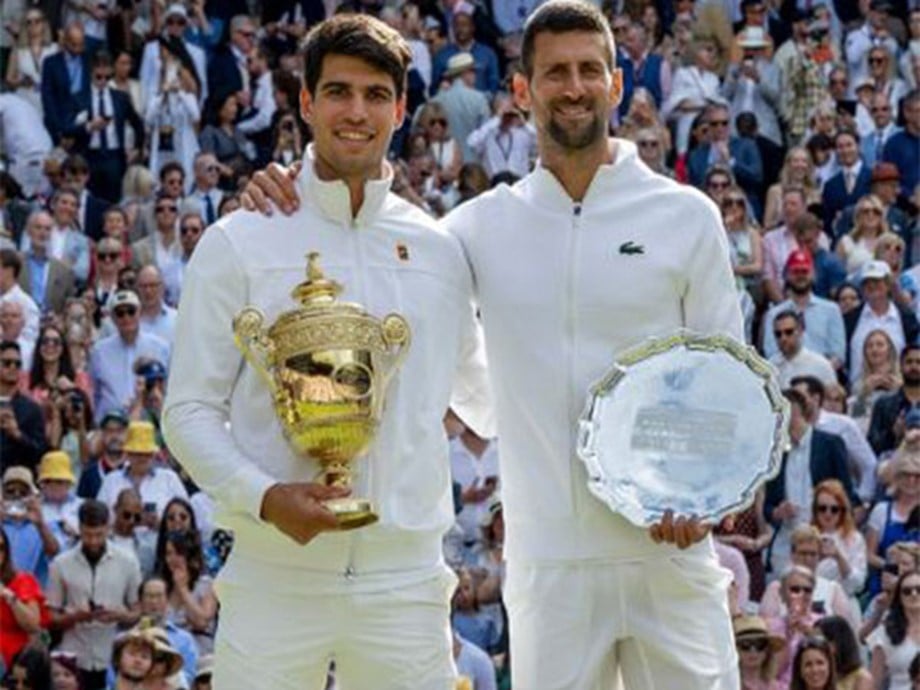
(579, 138)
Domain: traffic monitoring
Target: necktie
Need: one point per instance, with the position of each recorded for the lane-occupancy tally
(848, 180)
(209, 209)
(879, 140)
(103, 134)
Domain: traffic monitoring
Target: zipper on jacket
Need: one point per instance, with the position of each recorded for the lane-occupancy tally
(571, 328)
(355, 238)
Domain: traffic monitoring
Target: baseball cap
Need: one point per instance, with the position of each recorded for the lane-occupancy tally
(118, 416)
(152, 370)
(126, 298)
(875, 269)
(799, 260)
(177, 8)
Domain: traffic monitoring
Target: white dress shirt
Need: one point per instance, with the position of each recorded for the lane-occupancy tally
(869, 321)
(158, 486)
(860, 455)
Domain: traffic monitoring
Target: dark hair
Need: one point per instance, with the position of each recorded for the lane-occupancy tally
(846, 132)
(116, 210)
(910, 347)
(359, 36)
(896, 621)
(10, 186)
(7, 570)
(93, 513)
(36, 661)
(790, 314)
(147, 580)
(812, 383)
(806, 221)
(172, 166)
(818, 141)
(187, 545)
(563, 16)
(102, 58)
(37, 375)
(822, 645)
(914, 669)
(10, 345)
(288, 84)
(163, 531)
(9, 258)
(846, 650)
(796, 398)
(75, 164)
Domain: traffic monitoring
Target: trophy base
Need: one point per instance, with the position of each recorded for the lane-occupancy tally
(352, 512)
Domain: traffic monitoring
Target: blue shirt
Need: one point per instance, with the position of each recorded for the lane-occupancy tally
(824, 331)
(903, 149)
(829, 272)
(38, 276)
(74, 71)
(27, 549)
(111, 366)
(182, 642)
(487, 78)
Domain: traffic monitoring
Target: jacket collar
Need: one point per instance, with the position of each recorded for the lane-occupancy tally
(333, 199)
(548, 191)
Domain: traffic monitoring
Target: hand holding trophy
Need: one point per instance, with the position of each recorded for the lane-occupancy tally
(327, 364)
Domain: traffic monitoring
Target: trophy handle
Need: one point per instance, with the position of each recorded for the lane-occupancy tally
(397, 336)
(254, 344)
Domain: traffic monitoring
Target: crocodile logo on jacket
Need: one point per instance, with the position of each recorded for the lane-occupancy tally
(631, 248)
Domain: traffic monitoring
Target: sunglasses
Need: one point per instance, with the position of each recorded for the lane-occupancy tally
(881, 109)
(11, 363)
(131, 516)
(34, 20)
(175, 21)
(186, 229)
(57, 342)
(648, 144)
(783, 332)
(828, 508)
(166, 209)
(800, 589)
(839, 82)
(107, 256)
(912, 591)
(247, 34)
(717, 185)
(877, 61)
(718, 123)
(728, 203)
(758, 645)
(438, 121)
(124, 311)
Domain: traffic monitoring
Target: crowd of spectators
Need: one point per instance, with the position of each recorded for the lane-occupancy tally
(127, 127)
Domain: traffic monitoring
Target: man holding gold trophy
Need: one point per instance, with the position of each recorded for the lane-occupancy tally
(325, 450)
(599, 279)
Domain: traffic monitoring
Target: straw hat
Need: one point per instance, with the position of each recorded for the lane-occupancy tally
(746, 627)
(459, 63)
(56, 466)
(141, 438)
(156, 640)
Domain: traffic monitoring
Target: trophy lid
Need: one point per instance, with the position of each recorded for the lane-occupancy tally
(316, 290)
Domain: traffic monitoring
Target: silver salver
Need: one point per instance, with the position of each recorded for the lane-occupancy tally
(687, 422)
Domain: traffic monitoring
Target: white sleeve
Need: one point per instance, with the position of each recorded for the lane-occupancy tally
(710, 301)
(471, 396)
(860, 451)
(204, 371)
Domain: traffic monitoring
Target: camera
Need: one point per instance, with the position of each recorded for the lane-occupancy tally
(817, 35)
(16, 509)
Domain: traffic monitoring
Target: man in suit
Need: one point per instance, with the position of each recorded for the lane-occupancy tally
(228, 70)
(65, 84)
(107, 111)
(814, 457)
(886, 427)
(885, 183)
(205, 193)
(873, 144)
(162, 248)
(740, 155)
(878, 311)
(48, 281)
(91, 209)
(852, 181)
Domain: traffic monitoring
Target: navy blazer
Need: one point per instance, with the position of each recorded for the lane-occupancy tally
(93, 220)
(747, 168)
(828, 461)
(223, 76)
(124, 114)
(60, 106)
(834, 198)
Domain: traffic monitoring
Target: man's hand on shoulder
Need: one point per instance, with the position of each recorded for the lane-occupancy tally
(297, 509)
(273, 184)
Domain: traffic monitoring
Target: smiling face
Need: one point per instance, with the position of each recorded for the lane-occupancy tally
(353, 113)
(572, 89)
(877, 350)
(815, 669)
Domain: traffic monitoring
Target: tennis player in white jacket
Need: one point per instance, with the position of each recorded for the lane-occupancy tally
(294, 595)
(588, 255)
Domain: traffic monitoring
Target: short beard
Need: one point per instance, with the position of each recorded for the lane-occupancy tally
(801, 290)
(911, 380)
(130, 677)
(580, 140)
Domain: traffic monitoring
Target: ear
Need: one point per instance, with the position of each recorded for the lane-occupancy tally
(616, 86)
(520, 89)
(306, 105)
(400, 110)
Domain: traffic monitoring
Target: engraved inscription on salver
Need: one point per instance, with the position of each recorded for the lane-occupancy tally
(682, 431)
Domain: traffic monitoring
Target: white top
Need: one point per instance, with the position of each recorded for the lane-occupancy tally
(890, 322)
(29, 309)
(263, 102)
(804, 363)
(159, 486)
(22, 128)
(897, 658)
(468, 470)
(500, 151)
(247, 259)
(577, 292)
(860, 455)
(853, 549)
(163, 325)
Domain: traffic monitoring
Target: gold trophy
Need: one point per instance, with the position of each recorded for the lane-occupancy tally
(327, 364)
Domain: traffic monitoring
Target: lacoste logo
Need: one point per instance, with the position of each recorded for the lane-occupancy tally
(630, 248)
(402, 252)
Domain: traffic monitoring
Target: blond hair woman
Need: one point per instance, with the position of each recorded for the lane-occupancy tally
(869, 224)
(798, 171)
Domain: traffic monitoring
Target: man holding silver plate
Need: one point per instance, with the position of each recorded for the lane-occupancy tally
(325, 449)
(595, 278)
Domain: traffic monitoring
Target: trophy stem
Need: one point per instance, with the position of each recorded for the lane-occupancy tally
(350, 512)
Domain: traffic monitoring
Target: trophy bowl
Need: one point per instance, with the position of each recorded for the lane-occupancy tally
(327, 365)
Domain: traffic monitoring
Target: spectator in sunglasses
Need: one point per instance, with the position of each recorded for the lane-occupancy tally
(129, 533)
(797, 588)
(896, 643)
(757, 653)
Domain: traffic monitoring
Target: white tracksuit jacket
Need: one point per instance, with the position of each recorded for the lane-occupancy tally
(563, 287)
(390, 258)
